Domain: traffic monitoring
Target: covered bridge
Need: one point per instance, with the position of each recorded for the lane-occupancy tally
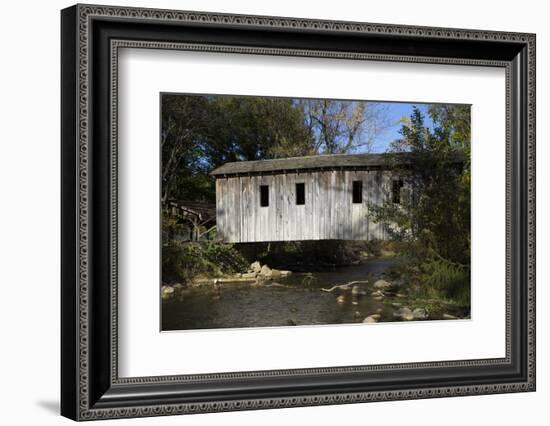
(304, 198)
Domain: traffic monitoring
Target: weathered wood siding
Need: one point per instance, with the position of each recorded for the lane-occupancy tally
(328, 212)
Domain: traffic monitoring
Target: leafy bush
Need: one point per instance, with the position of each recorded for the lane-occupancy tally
(181, 261)
(450, 279)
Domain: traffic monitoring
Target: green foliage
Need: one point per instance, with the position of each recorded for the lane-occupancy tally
(434, 219)
(451, 279)
(200, 133)
(181, 261)
(436, 214)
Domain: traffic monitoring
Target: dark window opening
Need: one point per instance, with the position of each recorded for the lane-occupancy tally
(396, 190)
(264, 195)
(300, 194)
(357, 191)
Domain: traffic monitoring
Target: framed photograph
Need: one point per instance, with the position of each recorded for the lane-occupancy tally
(263, 212)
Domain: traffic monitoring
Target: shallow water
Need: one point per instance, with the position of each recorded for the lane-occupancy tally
(299, 302)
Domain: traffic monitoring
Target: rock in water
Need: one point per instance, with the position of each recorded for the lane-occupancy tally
(255, 267)
(340, 299)
(167, 291)
(404, 313)
(371, 319)
(420, 314)
(381, 285)
(285, 273)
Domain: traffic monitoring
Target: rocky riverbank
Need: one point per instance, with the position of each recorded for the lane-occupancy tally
(256, 274)
(393, 297)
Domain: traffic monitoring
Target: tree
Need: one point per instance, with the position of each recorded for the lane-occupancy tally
(341, 127)
(200, 133)
(254, 128)
(183, 120)
(434, 221)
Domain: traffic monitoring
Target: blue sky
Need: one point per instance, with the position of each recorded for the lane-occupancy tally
(395, 111)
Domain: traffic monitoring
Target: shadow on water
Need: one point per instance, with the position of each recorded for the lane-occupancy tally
(299, 301)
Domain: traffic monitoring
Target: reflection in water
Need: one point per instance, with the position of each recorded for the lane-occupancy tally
(298, 302)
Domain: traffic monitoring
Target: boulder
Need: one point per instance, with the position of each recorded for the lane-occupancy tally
(404, 313)
(381, 285)
(420, 314)
(371, 319)
(265, 271)
(340, 299)
(178, 287)
(397, 304)
(255, 267)
(285, 273)
(167, 291)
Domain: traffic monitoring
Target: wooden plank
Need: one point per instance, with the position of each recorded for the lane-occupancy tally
(225, 207)
(340, 179)
(260, 213)
(310, 207)
(219, 210)
(284, 208)
(355, 209)
(292, 206)
(226, 210)
(265, 212)
(316, 182)
(254, 206)
(373, 202)
(271, 216)
(238, 211)
(301, 224)
(242, 207)
(326, 206)
(247, 212)
(378, 199)
(230, 216)
(346, 205)
(331, 201)
(365, 219)
(276, 207)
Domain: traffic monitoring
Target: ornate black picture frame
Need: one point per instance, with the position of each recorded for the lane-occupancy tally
(91, 36)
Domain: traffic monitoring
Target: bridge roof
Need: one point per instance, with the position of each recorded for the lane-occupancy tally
(318, 162)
